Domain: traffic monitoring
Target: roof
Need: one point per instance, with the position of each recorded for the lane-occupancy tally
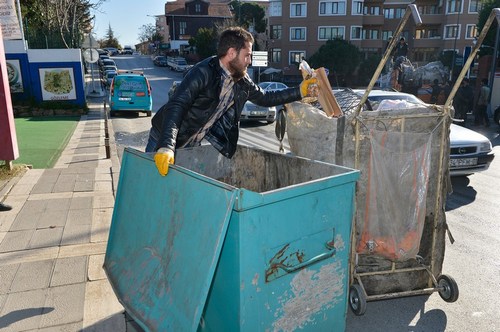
(216, 8)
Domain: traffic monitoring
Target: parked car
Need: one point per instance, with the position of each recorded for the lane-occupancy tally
(106, 68)
(177, 63)
(470, 151)
(127, 50)
(252, 112)
(112, 51)
(107, 78)
(160, 61)
(130, 91)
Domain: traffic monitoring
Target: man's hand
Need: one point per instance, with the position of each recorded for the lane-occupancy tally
(163, 158)
(309, 87)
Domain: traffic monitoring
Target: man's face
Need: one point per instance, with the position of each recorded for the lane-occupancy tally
(240, 62)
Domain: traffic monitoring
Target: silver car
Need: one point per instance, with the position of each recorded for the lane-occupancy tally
(470, 151)
(252, 112)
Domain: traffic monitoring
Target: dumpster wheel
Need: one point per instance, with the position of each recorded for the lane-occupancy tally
(357, 300)
(447, 288)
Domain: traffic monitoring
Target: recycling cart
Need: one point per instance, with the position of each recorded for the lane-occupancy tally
(259, 242)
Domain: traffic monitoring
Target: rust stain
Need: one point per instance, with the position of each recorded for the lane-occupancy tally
(276, 261)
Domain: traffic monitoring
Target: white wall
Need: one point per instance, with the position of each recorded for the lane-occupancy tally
(55, 55)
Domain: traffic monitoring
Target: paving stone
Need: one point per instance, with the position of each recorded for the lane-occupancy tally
(71, 270)
(18, 240)
(43, 188)
(22, 311)
(95, 270)
(32, 275)
(101, 223)
(52, 219)
(26, 219)
(72, 327)
(84, 186)
(58, 204)
(76, 234)
(68, 303)
(3, 298)
(46, 237)
(34, 206)
(7, 274)
(79, 203)
(80, 217)
(104, 201)
(100, 305)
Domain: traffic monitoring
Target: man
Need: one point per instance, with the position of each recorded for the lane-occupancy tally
(5, 207)
(436, 90)
(401, 49)
(482, 105)
(462, 102)
(208, 102)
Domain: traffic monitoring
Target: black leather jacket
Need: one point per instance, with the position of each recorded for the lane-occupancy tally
(196, 99)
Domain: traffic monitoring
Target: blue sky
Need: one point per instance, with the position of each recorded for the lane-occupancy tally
(126, 17)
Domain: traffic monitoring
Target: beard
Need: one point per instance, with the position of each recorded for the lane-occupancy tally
(238, 70)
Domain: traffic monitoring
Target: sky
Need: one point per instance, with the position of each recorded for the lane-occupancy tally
(125, 18)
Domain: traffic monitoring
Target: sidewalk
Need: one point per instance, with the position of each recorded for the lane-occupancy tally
(53, 241)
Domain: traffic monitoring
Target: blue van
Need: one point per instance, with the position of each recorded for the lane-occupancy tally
(130, 91)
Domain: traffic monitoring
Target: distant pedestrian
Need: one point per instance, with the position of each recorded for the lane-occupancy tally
(5, 207)
(462, 102)
(436, 90)
(482, 104)
(447, 89)
(401, 48)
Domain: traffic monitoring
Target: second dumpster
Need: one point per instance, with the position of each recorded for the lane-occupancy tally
(259, 242)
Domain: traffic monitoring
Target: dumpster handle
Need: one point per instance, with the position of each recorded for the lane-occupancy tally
(320, 257)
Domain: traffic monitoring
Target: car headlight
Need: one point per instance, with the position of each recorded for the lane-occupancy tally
(485, 147)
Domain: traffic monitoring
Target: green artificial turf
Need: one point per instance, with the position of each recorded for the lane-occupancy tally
(41, 140)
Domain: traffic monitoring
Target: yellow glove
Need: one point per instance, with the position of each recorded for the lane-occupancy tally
(309, 87)
(163, 158)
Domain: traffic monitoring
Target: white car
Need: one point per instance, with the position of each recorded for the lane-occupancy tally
(252, 112)
(470, 151)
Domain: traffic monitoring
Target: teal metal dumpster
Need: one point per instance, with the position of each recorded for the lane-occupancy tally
(259, 242)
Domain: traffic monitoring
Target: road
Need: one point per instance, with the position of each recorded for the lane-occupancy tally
(473, 211)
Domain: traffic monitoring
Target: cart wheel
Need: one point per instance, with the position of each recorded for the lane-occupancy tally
(357, 300)
(448, 288)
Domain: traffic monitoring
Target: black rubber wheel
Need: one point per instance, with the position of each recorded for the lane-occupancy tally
(357, 300)
(496, 116)
(148, 113)
(448, 288)
(112, 113)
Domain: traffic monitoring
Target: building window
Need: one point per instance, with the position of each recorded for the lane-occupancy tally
(357, 7)
(197, 8)
(276, 32)
(327, 33)
(182, 28)
(386, 34)
(370, 34)
(423, 54)
(275, 8)
(297, 33)
(276, 55)
(474, 6)
(296, 57)
(471, 31)
(426, 33)
(453, 6)
(371, 10)
(429, 9)
(388, 12)
(356, 32)
(332, 8)
(451, 31)
(298, 9)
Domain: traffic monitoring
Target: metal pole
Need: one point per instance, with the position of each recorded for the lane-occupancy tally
(455, 46)
(493, 64)
(20, 19)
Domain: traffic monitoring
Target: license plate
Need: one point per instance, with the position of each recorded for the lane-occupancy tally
(258, 113)
(124, 99)
(461, 162)
(126, 94)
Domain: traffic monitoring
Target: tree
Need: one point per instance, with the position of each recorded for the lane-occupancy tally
(249, 14)
(489, 40)
(340, 57)
(367, 68)
(110, 39)
(60, 22)
(205, 42)
(146, 32)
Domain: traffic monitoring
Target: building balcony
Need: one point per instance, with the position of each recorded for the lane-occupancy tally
(373, 20)
(432, 19)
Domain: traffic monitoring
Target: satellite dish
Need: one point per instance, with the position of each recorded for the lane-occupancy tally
(91, 55)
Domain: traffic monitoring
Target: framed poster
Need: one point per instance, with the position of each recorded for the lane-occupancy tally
(15, 76)
(57, 83)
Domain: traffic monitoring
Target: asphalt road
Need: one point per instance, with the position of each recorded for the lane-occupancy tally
(473, 215)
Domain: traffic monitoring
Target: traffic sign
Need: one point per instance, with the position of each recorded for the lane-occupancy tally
(91, 55)
(259, 59)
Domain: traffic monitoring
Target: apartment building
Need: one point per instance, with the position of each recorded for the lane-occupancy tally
(298, 28)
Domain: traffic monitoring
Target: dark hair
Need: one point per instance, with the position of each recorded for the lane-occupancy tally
(402, 39)
(233, 37)
(484, 81)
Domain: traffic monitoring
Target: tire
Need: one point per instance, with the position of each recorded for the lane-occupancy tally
(448, 288)
(357, 300)
(112, 113)
(148, 113)
(496, 116)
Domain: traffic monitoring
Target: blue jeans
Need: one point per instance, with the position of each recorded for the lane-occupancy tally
(154, 135)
